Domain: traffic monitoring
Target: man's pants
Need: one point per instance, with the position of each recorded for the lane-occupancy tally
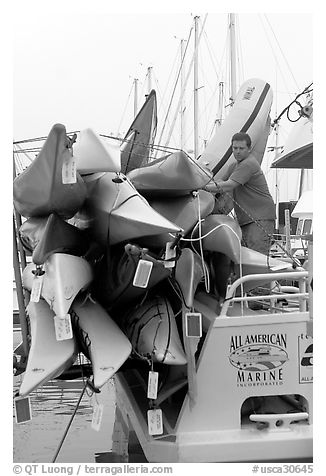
(258, 237)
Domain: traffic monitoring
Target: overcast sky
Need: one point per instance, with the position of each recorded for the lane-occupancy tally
(75, 63)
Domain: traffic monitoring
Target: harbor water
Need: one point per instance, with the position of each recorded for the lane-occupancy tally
(52, 405)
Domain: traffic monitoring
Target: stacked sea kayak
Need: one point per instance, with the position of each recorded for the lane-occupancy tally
(117, 259)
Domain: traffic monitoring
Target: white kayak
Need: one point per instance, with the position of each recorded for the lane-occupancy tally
(250, 114)
(121, 213)
(48, 357)
(64, 276)
(93, 154)
(153, 332)
(104, 343)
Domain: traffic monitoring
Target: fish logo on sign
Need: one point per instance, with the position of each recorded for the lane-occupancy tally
(258, 358)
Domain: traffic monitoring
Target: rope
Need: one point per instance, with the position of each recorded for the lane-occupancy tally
(295, 100)
(175, 85)
(69, 424)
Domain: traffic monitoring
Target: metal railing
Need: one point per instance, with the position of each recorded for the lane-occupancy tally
(302, 295)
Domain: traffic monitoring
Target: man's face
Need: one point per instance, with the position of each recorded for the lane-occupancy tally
(240, 150)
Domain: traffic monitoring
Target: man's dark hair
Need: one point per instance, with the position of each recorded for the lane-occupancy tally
(242, 136)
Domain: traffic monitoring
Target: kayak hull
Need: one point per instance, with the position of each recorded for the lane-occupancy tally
(39, 190)
(171, 176)
(153, 332)
(101, 339)
(93, 154)
(121, 213)
(47, 358)
(64, 276)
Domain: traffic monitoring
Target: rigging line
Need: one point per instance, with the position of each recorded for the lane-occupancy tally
(124, 111)
(69, 424)
(281, 50)
(185, 82)
(162, 102)
(161, 109)
(212, 57)
(175, 86)
(240, 53)
(168, 81)
(274, 55)
(22, 150)
(36, 139)
(209, 103)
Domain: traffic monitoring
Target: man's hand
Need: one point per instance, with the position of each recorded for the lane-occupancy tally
(214, 187)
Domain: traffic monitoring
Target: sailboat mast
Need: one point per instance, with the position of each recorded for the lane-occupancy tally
(182, 105)
(135, 96)
(233, 78)
(196, 90)
(220, 104)
(149, 79)
(185, 83)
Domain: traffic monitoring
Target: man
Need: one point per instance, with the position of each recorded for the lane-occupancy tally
(253, 203)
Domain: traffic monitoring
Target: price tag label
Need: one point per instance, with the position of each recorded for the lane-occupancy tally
(23, 411)
(143, 273)
(152, 385)
(69, 171)
(37, 288)
(170, 253)
(193, 324)
(63, 328)
(155, 421)
(97, 416)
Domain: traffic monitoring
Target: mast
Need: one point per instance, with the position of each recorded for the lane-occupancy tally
(233, 78)
(196, 90)
(149, 79)
(220, 104)
(135, 96)
(182, 105)
(184, 86)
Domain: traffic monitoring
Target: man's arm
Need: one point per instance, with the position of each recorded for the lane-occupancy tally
(226, 185)
(219, 186)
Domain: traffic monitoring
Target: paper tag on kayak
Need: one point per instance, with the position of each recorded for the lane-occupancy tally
(69, 171)
(37, 288)
(155, 421)
(63, 329)
(143, 273)
(152, 385)
(97, 416)
(170, 253)
(193, 324)
(23, 411)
